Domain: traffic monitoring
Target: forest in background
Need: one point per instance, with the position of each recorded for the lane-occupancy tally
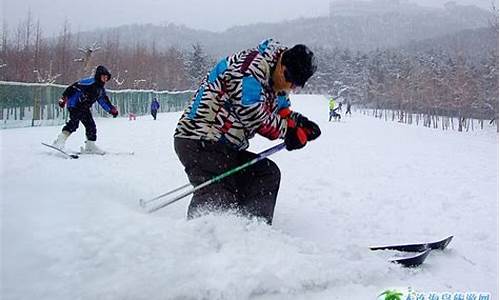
(451, 75)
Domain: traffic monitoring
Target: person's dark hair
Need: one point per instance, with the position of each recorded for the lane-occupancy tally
(101, 70)
(300, 64)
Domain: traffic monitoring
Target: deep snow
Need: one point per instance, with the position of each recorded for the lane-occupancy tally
(73, 229)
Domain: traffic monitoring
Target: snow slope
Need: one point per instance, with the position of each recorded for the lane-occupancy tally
(72, 229)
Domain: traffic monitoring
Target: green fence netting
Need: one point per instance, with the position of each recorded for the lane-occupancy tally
(35, 104)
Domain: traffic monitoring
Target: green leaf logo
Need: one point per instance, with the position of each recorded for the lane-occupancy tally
(391, 295)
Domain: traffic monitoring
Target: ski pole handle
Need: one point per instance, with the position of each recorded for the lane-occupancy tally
(261, 156)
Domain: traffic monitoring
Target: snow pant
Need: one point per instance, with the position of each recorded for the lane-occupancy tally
(77, 115)
(153, 113)
(251, 191)
(334, 114)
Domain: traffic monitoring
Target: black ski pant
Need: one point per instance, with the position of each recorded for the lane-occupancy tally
(251, 191)
(77, 115)
(334, 115)
(153, 113)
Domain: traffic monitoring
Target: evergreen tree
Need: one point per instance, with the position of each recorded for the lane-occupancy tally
(197, 65)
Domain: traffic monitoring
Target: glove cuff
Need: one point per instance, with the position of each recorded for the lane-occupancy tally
(285, 113)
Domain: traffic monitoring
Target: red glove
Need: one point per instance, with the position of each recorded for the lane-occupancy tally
(300, 129)
(312, 129)
(62, 102)
(295, 138)
(114, 112)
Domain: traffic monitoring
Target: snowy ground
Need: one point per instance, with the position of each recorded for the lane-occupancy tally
(72, 229)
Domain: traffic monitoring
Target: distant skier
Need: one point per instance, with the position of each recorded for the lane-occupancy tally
(333, 110)
(155, 105)
(244, 94)
(348, 109)
(79, 98)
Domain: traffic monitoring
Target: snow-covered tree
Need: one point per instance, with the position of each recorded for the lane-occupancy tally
(198, 64)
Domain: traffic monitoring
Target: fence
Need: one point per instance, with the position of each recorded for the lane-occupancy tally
(35, 104)
(431, 120)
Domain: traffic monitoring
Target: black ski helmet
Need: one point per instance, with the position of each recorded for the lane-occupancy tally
(101, 70)
(300, 64)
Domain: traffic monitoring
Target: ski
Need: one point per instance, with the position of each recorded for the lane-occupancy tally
(120, 153)
(82, 152)
(66, 154)
(411, 261)
(419, 247)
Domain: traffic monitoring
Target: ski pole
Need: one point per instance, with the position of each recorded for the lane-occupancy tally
(144, 203)
(261, 156)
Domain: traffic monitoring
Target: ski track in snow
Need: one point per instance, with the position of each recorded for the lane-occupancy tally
(73, 229)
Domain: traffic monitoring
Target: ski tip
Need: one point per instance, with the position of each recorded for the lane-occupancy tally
(419, 247)
(412, 261)
(441, 245)
(66, 154)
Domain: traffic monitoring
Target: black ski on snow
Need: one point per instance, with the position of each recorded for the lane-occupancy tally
(415, 260)
(416, 247)
(68, 155)
(411, 261)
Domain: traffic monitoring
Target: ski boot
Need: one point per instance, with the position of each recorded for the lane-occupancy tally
(91, 148)
(60, 142)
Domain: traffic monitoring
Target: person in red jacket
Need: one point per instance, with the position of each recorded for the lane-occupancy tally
(79, 98)
(244, 94)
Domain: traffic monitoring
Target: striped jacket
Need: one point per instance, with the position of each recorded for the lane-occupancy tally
(236, 100)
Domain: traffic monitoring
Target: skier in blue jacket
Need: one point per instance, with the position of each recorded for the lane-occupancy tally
(155, 105)
(79, 98)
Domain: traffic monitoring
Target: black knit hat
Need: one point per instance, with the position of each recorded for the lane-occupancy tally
(101, 70)
(300, 64)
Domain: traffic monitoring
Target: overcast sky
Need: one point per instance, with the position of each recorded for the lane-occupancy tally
(214, 15)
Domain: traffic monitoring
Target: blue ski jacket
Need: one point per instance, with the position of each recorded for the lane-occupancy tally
(155, 105)
(85, 92)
